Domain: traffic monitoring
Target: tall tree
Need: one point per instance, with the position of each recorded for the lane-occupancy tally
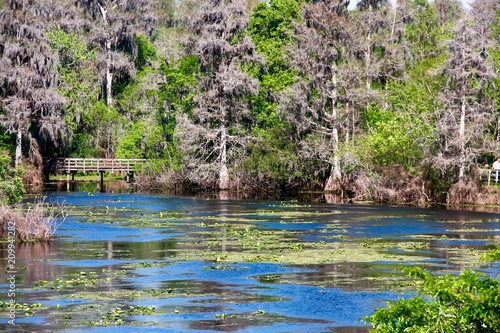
(422, 32)
(272, 160)
(115, 25)
(312, 104)
(78, 83)
(398, 130)
(467, 110)
(216, 134)
(29, 104)
(495, 54)
(448, 11)
(376, 54)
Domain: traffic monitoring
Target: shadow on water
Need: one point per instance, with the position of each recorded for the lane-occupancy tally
(110, 186)
(121, 186)
(208, 263)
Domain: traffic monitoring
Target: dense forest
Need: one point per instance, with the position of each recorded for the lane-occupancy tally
(379, 100)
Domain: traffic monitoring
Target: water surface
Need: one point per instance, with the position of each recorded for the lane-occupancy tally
(188, 264)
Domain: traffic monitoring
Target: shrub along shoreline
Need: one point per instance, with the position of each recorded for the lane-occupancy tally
(25, 222)
(37, 221)
(468, 302)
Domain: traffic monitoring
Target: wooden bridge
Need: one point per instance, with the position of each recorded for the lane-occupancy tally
(72, 165)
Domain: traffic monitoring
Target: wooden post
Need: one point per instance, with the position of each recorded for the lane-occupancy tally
(67, 180)
(102, 181)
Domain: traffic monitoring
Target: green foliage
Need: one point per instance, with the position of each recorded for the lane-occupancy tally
(73, 51)
(494, 51)
(422, 32)
(7, 142)
(491, 255)
(143, 140)
(271, 30)
(177, 93)
(81, 146)
(403, 133)
(11, 185)
(465, 303)
(395, 138)
(264, 112)
(138, 97)
(130, 145)
(146, 51)
(171, 160)
(99, 132)
(274, 157)
(78, 77)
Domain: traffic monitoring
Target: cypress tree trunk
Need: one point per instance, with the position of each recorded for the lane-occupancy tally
(223, 174)
(19, 152)
(461, 134)
(109, 75)
(333, 181)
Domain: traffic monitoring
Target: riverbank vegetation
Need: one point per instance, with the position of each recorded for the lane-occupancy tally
(34, 222)
(464, 303)
(30, 221)
(381, 101)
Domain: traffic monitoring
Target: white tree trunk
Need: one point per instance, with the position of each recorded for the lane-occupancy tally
(461, 135)
(368, 60)
(461, 130)
(333, 181)
(109, 75)
(19, 146)
(223, 174)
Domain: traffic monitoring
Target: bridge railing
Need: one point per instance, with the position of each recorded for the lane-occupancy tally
(73, 164)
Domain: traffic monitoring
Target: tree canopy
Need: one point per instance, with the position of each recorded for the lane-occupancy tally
(259, 94)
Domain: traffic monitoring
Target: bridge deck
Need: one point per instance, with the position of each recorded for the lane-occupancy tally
(68, 165)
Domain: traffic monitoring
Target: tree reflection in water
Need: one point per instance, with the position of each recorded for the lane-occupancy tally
(32, 262)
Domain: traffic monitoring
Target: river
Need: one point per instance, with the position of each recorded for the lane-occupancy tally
(192, 264)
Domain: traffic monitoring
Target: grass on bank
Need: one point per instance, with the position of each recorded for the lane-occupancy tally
(38, 221)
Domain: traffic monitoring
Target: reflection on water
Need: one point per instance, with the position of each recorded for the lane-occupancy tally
(35, 257)
(121, 186)
(114, 186)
